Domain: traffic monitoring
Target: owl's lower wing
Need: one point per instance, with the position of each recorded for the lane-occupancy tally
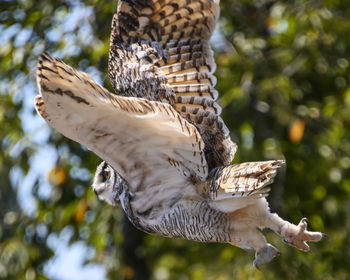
(148, 143)
(236, 185)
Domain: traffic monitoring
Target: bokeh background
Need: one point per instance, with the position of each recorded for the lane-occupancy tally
(284, 83)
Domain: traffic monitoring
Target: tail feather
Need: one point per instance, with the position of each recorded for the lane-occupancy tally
(243, 180)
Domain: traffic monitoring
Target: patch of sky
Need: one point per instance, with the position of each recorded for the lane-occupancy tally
(8, 33)
(22, 37)
(71, 259)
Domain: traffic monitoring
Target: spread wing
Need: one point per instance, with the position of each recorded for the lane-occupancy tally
(159, 50)
(147, 142)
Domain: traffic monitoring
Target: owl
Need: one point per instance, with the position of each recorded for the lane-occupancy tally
(166, 152)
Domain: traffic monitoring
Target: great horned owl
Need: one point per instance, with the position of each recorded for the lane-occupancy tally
(168, 151)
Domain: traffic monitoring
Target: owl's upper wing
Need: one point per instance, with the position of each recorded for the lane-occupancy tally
(159, 50)
(164, 20)
(147, 142)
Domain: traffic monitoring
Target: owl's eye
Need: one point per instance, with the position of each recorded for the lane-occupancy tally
(105, 176)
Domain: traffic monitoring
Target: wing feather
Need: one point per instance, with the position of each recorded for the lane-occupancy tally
(141, 139)
(175, 63)
(157, 20)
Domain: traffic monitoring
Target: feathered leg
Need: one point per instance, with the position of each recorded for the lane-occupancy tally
(245, 223)
(246, 235)
(252, 238)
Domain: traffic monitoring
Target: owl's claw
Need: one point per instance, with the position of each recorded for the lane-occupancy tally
(324, 235)
(265, 255)
(299, 235)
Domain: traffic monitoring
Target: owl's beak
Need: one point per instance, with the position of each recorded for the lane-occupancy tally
(98, 191)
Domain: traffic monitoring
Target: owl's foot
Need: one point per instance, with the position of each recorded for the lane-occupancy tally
(265, 255)
(297, 236)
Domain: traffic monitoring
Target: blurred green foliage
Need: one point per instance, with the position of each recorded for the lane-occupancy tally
(284, 83)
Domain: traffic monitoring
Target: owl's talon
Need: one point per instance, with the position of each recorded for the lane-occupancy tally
(303, 224)
(325, 235)
(297, 236)
(265, 255)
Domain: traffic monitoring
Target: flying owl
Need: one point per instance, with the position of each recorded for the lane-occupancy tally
(166, 150)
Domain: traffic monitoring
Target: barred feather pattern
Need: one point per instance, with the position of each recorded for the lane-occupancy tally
(159, 50)
(157, 151)
(163, 20)
(186, 218)
(243, 179)
(134, 71)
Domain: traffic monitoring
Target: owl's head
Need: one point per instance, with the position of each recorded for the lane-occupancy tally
(106, 184)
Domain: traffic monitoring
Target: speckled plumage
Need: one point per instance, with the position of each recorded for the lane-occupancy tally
(167, 149)
(159, 50)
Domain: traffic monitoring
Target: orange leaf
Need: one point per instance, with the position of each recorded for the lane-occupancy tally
(81, 210)
(127, 271)
(57, 175)
(296, 130)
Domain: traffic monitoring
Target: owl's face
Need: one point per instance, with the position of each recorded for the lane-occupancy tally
(105, 184)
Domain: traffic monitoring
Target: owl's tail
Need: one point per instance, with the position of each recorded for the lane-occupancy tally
(243, 180)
